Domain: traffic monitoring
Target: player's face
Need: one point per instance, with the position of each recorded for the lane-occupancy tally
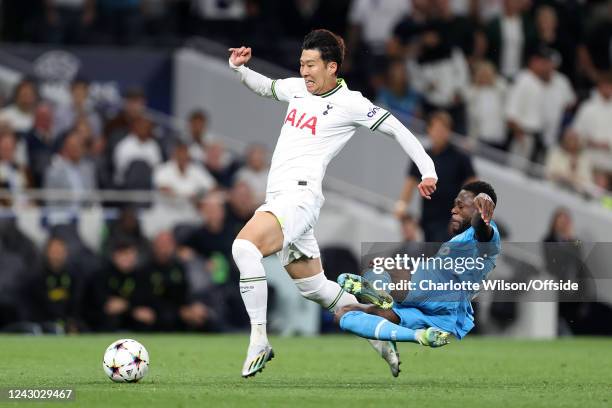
(319, 76)
(462, 212)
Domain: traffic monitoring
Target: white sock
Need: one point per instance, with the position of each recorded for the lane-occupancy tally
(331, 296)
(325, 292)
(253, 287)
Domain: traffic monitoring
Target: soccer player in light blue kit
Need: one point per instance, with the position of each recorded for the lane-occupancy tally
(425, 316)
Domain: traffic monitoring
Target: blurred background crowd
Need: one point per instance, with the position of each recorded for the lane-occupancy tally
(532, 78)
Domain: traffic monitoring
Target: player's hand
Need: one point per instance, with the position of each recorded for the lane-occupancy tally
(240, 56)
(115, 305)
(485, 207)
(427, 187)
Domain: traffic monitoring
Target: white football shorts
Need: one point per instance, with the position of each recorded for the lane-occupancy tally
(297, 211)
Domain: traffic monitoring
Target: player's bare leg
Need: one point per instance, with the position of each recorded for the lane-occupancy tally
(310, 280)
(261, 236)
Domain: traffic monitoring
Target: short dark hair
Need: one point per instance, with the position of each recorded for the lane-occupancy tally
(478, 187)
(330, 45)
(198, 114)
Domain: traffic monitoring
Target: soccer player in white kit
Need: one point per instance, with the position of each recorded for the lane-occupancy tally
(322, 116)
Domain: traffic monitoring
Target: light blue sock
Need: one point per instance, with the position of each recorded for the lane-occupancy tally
(375, 327)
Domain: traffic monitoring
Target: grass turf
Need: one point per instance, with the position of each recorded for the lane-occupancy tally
(328, 371)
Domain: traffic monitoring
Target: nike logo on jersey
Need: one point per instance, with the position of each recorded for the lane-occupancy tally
(296, 97)
(310, 123)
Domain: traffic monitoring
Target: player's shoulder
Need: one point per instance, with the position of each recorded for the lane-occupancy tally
(289, 86)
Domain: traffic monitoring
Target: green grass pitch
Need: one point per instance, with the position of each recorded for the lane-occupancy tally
(327, 371)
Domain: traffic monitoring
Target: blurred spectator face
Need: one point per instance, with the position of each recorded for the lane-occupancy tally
(484, 74)
(125, 259)
(73, 147)
(563, 225)
(604, 86)
(25, 96)
(134, 106)
(256, 158)
(128, 222)
(56, 254)
(512, 7)
(80, 92)
(214, 155)
(571, 142)
(197, 125)
(7, 146)
(409, 228)
(241, 198)
(439, 130)
(546, 19)
(212, 209)
(542, 67)
(164, 247)
(142, 128)
(443, 7)
(397, 77)
(181, 156)
(43, 118)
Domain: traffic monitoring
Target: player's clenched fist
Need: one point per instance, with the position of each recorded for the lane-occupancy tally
(427, 187)
(240, 56)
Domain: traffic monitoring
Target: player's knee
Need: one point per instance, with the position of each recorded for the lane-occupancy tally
(244, 252)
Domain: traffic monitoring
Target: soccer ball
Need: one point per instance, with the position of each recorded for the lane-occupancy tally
(126, 360)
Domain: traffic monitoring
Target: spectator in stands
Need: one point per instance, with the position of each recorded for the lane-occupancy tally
(454, 169)
(134, 107)
(170, 289)
(40, 143)
(537, 102)
(297, 17)
(80, 105)
(486, 99)
(219, 163)
(452, 27)
(57, 290)
(196, 128)
(181, 178)
(126, 226)
(509, 35)
(20, 114)
(241, 205)
(371, 23)
(70, 171)
(12, 176)
(68, 21)
(550, 35)
(593, 122)
(397, 95)
(568, 165)
(405, 42)
(124, 290)
(137, 146)
(255, 171)
(597, 56)
(441, 75)
(213, 239)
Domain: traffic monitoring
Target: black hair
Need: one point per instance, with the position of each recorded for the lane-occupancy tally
(478, 187)
(330, 45)
(198, 114)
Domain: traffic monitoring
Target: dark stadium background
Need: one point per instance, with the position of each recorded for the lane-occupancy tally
(95, 240)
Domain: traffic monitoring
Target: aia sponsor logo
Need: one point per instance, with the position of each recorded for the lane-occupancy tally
(302, 122)
(373, 111)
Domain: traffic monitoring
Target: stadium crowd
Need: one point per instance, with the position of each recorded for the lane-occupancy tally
(75, 149)
(528, 77)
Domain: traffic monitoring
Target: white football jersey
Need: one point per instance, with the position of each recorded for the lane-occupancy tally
(314, 130)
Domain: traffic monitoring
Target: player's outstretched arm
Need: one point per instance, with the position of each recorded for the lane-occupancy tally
(411, 145)
(256, 82)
